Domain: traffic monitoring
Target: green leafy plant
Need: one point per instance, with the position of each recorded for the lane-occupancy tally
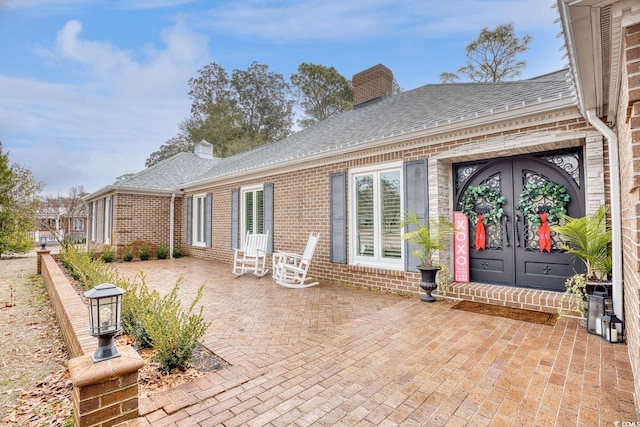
(127, 254)
(444, 278)
(82, 267)
(588, 238)
(144, 252)
(576, 290)
(162, 252)
(492, 196)
(430, 235)
(137, 305)
(175, 333)
(533, 193)
(108, 254)
(177, 253)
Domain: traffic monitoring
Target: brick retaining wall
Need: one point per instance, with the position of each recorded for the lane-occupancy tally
(104, 393)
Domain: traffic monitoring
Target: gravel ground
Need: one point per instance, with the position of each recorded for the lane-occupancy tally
(35, 389)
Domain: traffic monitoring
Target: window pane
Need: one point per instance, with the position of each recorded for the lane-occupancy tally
(364, 215)
(248, 214)
(259, 226)
(391, 233)
(199, 220)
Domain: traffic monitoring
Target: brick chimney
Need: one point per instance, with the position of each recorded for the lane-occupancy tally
(374, 83)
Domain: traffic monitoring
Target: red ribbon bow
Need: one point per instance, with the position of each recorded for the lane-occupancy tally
(481, 235)
(544, 235)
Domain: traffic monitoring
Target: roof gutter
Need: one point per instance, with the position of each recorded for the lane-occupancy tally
(616, 222)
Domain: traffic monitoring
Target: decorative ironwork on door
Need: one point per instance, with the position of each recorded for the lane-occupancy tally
(520, 247)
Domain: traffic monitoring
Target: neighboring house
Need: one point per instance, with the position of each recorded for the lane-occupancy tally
(353, 175)
(57, 222)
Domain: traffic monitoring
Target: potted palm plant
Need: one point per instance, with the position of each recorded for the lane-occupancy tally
(430, 235)
(589, 239)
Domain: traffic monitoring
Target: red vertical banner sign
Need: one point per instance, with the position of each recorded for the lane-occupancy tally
(461, 247)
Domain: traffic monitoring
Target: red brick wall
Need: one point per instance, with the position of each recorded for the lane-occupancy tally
(140, 218)
(628, 129)
(301, 206)
(372, 83)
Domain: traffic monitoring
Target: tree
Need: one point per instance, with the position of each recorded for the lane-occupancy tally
(18, 205)
(248, 109)
(321, 92)
(173, 146)
(57, 213)
(492, 57)
(264, 101)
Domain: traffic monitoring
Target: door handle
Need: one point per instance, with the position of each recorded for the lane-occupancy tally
(517, 231)
(506, 229)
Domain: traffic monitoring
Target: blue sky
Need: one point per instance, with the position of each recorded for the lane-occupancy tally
(90, 88)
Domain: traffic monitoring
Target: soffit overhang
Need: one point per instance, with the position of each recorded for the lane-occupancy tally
(594, 40)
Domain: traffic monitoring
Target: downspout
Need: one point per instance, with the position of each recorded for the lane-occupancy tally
(616, 222)
(171, 225)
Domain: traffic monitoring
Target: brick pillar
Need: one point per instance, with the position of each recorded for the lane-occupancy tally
(39, 254)
(105, 393)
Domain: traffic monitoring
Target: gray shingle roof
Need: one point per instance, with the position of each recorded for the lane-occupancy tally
(429, 106)
(433, 105)
(169, 174)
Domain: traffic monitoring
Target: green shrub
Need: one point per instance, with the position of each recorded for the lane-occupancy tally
(82, 267)
(144, 252)
(177, 253)
(137, 304)
(108, 254)
(173, 332)
(162, 252)
(127, 254)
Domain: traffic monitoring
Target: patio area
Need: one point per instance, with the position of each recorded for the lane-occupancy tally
(345, 356)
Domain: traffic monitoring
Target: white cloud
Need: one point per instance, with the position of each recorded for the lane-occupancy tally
(106, 123)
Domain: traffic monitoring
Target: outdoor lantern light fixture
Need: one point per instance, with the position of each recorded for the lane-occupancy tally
(43, 242)
(612, 328)
(105, 313)
(598, 304)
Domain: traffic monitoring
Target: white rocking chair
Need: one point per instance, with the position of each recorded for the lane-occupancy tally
(253, 257)
(290, 270)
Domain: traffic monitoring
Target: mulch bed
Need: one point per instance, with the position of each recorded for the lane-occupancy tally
(151, 378)
(507, 312)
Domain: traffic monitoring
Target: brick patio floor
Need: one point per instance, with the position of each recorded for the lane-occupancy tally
(344, 356)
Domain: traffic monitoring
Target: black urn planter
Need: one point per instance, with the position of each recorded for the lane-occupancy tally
(428, 281)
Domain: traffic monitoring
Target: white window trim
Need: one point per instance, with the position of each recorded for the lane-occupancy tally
(194, 220)
(376, 262)
(108, 211)
(243, 215)
(80, 222)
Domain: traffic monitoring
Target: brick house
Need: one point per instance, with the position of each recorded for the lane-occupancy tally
(351, 177)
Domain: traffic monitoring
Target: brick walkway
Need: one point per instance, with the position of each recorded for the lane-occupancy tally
(343, 356)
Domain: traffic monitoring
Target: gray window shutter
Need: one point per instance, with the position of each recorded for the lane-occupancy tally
(338, 218)
(235, 218)
(189, 218)
(267, 214)
(207, 220)
(415, 199)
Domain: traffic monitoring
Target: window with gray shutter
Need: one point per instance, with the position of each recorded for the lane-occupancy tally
(338, 218)
(267, 215)
(415, 199)
(207, 220)
(189, 219)
(235, 220)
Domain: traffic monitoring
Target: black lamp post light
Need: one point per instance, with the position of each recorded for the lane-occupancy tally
(43, 242)
(105, 318)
